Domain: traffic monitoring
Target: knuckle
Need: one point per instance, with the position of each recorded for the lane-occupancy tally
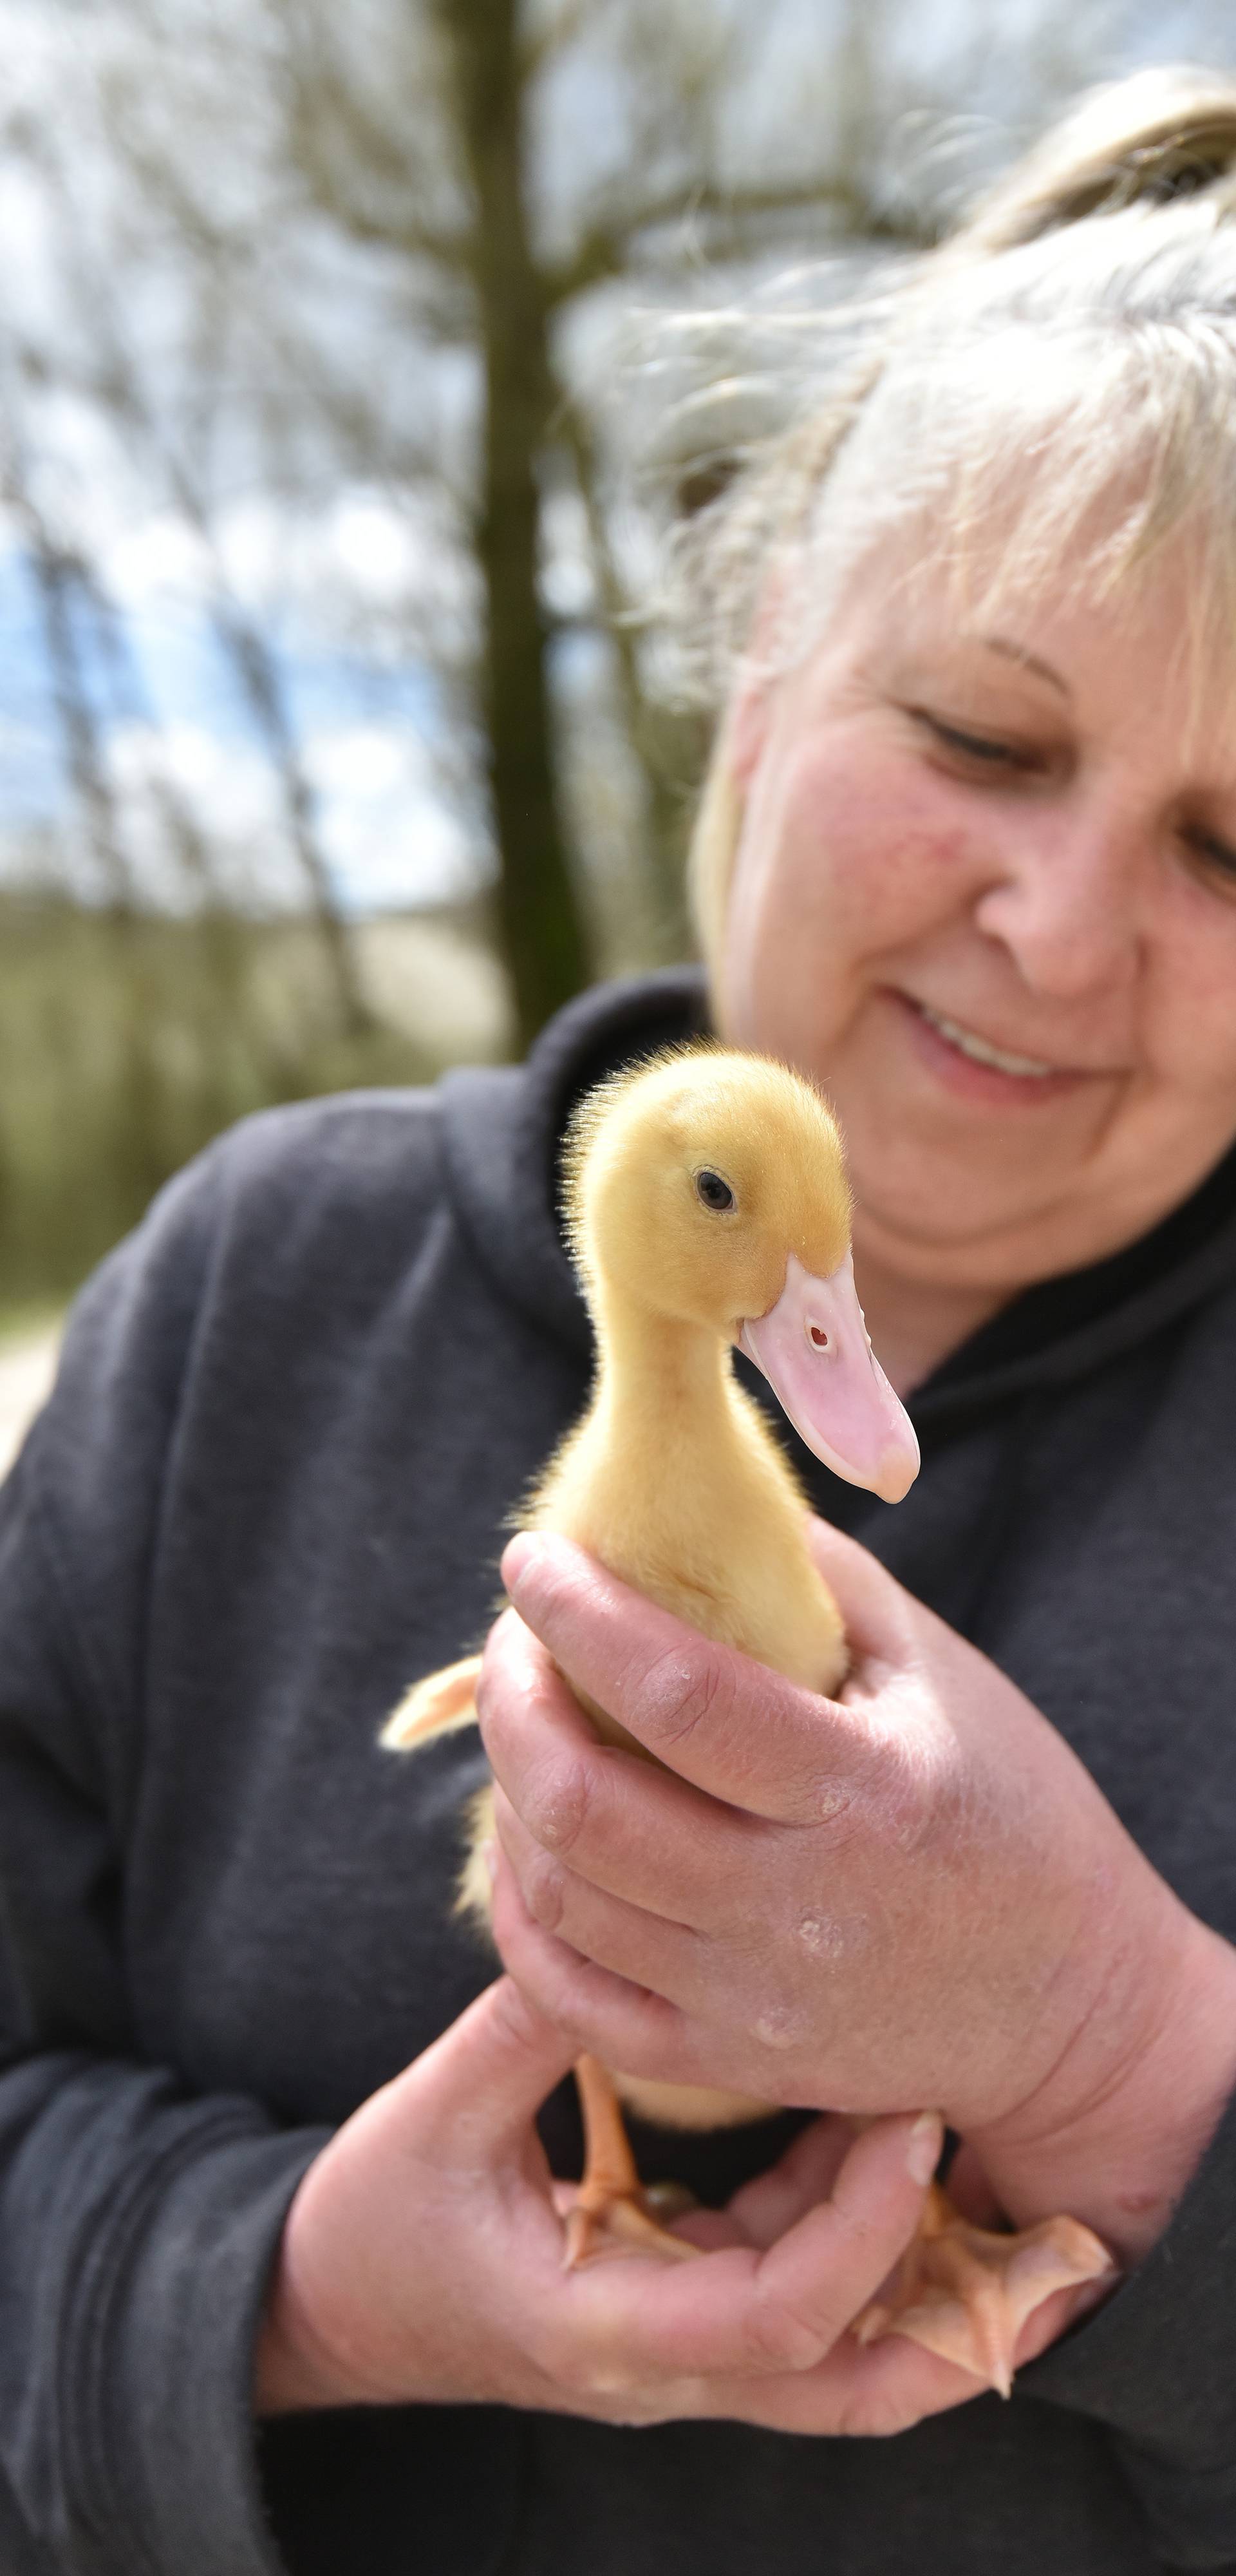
(830, 1809)
(685, 1688)
(919, 1798)
(515, 2018)
(544, 1891)
(776, 2338)
(558, 1803)
(562, 1998)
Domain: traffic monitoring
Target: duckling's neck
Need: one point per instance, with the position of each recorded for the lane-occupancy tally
(665, 1445)
(674, 1480)
(650, 1365)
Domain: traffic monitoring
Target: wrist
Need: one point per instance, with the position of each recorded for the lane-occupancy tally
(1117, 2131)
(285, 2379)
(292, 2368)
(300, 2360)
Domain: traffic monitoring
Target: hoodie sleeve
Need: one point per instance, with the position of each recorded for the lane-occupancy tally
(1157, 2366)
(137, 2221)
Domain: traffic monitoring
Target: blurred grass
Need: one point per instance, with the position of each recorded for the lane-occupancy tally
(128, 1040)
(26, 1320)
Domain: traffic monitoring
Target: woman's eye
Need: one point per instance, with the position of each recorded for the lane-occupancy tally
(978, 747)
(1217, 856)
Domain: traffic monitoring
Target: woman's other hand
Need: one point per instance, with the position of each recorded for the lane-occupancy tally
(422, 2260)
(915, 1894)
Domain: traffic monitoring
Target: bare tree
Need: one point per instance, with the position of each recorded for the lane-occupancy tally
(415, 130)
(474, 178)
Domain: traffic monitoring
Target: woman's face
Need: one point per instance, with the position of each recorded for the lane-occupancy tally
(985, 890)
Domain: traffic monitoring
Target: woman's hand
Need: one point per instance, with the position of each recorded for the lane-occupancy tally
(422, 2261)
(915, 1894)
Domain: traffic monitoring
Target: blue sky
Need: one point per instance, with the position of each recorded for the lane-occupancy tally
(170, 704)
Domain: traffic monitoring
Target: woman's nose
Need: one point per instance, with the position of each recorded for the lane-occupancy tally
(1066, 906)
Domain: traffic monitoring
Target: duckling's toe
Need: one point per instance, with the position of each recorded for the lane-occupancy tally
(965, 2292)
(618, 2223)
(612, 2213)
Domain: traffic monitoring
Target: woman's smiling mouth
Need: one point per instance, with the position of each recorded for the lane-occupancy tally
(1027, 1068)
(975, 1065)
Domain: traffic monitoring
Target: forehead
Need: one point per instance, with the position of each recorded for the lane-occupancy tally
(1148, 647)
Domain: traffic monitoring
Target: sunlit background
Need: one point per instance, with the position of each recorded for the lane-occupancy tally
(357, 364)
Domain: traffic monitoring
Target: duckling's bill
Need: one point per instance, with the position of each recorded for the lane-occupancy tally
(813, 1348)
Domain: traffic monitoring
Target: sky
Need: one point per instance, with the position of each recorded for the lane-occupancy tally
(169, 708)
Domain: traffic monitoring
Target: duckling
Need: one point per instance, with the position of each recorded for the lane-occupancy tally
(707, 1208)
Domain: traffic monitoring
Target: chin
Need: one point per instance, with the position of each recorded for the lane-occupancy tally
(945, 1209)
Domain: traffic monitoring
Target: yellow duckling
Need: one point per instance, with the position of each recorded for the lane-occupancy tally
(708, 1207)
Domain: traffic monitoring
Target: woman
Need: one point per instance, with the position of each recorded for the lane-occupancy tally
(969, 855)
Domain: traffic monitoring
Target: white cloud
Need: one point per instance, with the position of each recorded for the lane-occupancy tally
(376, 548)
(160, 553)
(389, 834)
(389, 838)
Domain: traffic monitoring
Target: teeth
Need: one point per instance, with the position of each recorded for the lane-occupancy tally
(981, 1053)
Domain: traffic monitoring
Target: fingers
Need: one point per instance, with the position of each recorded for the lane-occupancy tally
(877, 1611)
(774, 2201)
(751, 2313)
(815, 2273)
(633, 1830)
(877, 2389)
(472, 2096)
(755, 2331)
(740, 1732)
(622, 2024)
(636, 1943)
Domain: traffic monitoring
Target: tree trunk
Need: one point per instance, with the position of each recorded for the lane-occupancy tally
(540, 918)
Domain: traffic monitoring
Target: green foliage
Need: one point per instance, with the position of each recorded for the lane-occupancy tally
(128, 1040)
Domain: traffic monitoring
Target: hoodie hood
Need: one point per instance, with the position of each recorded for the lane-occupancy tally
(503, 1134)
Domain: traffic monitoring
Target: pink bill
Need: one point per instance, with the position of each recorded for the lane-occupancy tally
(812, 1347)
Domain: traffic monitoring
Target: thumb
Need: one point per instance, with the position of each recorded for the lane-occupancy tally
(876, 1611)
(480, 2086)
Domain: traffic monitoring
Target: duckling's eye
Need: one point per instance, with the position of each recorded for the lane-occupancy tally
(714, 1192)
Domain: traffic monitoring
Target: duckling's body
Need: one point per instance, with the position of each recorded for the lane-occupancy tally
(707, 1205)
(675, 1482)
(673, 1478)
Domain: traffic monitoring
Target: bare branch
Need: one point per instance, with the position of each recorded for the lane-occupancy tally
(536, 52)
(56, 573)
(645, 730)
(607, 248)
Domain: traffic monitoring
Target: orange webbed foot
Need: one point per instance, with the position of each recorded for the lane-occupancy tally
(965, 2292)
(612, 2212)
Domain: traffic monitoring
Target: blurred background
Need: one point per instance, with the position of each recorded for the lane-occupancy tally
(357, 365)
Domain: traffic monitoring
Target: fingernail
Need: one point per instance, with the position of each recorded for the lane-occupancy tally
(489, 1854)
(923, 2151)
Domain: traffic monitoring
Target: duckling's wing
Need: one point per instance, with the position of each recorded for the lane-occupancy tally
(436, 1706)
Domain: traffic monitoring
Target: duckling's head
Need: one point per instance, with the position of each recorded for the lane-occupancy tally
(708, 1188)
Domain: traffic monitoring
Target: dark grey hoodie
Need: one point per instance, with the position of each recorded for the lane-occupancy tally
(268, 1491)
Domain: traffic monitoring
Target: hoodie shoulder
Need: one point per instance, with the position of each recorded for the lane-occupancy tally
(502, 1134)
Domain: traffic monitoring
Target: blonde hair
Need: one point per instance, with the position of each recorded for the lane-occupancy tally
(1082, 322)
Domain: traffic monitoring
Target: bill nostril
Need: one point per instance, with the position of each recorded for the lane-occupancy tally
(817, 1336)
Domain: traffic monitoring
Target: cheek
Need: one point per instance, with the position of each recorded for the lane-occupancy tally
(841, 864)
(1189, 1012)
